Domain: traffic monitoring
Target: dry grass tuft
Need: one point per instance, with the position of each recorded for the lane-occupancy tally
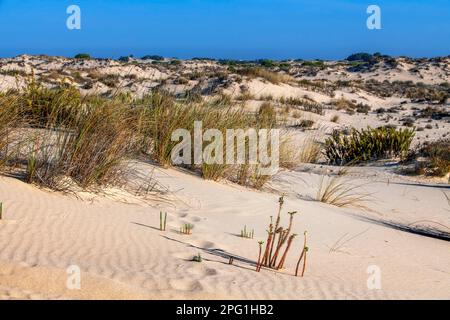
(57, 139)
(272, 77)
(340, 192)
(293, 154)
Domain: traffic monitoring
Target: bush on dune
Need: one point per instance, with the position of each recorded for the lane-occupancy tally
(83, 56)
(436, 158)
(369, 144)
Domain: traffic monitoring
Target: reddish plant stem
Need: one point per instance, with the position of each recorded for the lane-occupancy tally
(298, 262)
(304, 262)
(266, 252)
(277, 222)
(258, 265)
(302, 254)
(280, 244)
(283, 258)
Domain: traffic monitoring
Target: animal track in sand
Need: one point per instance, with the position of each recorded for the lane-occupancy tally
(187, 216)
(202, 271)
(195, 219)
(183, 255)
(186, 285)
(183, 214)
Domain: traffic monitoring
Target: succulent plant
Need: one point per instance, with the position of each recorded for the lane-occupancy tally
(367, 144)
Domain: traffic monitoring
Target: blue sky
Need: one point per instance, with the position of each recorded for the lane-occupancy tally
(238, 29)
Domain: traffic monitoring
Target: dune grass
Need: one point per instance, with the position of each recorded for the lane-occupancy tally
(258, 72)
(293, 154)
(186, 229)
(342, 192)
(56, 137)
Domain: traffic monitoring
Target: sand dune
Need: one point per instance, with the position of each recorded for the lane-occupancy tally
(122, 254)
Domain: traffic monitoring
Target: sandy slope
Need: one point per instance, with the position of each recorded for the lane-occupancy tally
(122, 254)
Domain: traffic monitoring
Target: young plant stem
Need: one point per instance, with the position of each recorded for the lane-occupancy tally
(283, 258)
(165, 220)
(301, 255)
(284, 237)
(277, 222)
(258, 264)
(280, 243)
(304, 261)
(298, 262)
(269, 241)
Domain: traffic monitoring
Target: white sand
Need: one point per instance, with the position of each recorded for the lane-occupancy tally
(122, 254)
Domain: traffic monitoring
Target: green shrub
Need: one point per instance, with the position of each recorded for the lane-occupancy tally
(437, 158)
(369, 144)
(153, 57)
(362, 56)
(83, 56)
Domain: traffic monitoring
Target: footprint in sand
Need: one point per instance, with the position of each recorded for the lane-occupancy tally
(183, 214)
(202, 272)
(183, 255)
(186, 285)
(195, 219)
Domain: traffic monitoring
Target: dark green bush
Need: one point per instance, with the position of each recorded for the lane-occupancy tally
(83, 56)
(369, 144)
(153, 57)
(361, 56)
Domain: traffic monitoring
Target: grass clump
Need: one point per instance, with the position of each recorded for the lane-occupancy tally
(258, 72)
(292, 154)
(186, 228)
(56, 138)
(159, 116)
(435, 158)
(162, 221)
(247, 233)
(367, 144)
(341, 192)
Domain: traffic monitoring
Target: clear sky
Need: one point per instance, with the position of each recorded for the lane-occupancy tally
(238, 29)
